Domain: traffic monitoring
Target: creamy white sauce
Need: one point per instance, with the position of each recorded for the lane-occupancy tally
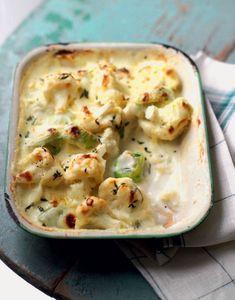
(161, 181)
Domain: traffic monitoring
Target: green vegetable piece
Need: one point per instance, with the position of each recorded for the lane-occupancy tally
(129, 164)
(81, 138)
(54, 147)
(52, 140)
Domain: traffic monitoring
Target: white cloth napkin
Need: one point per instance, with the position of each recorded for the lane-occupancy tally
(206, 270)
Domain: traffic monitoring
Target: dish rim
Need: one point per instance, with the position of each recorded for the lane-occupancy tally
(96, 234)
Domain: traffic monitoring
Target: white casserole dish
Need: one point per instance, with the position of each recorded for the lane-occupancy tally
(194, 161)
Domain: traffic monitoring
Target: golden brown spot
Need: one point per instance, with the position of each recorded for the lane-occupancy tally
(171, 129)
(132, 196)
(75, 131)
(169, 72)
(54, 203)
(70, 220)
(66, 55)
(185, 105)
(68, 85)
(198, 122)
(146, 98)
(88, 156)
(52, 131)
(86, 110)
(63, 53)
(124, 71)
(27, 175)
(38, 157)
(89, 201)
(105, 81)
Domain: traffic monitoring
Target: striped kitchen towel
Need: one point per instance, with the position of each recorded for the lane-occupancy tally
(201, 264)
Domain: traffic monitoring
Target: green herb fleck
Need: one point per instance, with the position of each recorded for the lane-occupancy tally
(84, 94)
(56, 175)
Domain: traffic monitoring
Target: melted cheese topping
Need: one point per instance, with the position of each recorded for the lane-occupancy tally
(81, 110)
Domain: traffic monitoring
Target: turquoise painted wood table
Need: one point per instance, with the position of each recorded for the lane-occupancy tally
(97, 269)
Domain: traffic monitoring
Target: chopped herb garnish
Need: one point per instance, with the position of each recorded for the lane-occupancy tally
(120, 129)
(146, 150)
(140, 142)
(44, 225)
(149, 168)
(56, 175)
(64, 76)
(133, 204)
(20, 135)
(137, 224)
(27, 134)
(41, 208)
(30, 118)
(34, 120)
(29, 206)
(115, 190)
(113, 119)
(97, 122)
(65, 168)
(43, 199)
(175, 151)
(84, 94)
(145, 57)
(133, 139)
(127, 123)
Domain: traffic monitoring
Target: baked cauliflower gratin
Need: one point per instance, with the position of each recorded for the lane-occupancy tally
(97, 140)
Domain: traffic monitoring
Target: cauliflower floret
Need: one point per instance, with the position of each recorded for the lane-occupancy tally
(61, 89)
(172, 80)
(155, 84)
(168, 122)
(103, 117)
(126, 201)
(106, 87)
(110, 139)
(121, 193)
(35, 166)
(95, 213)
(42, 157)
(88, 167)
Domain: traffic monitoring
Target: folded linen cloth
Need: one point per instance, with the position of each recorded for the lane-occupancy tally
(206, 270)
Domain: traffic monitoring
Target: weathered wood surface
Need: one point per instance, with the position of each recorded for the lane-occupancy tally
(97, 269)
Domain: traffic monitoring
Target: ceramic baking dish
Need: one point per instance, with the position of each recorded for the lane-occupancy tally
(193, 148)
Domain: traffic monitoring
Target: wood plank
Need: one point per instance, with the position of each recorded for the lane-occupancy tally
(102, 272)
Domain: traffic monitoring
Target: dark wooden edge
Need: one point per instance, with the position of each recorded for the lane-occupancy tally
(25, 275)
